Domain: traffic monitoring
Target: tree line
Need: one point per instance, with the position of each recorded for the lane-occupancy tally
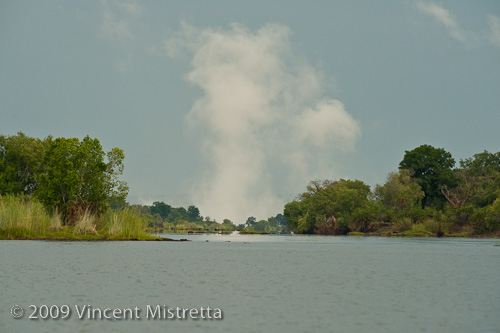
(164, 218)
(427, 195)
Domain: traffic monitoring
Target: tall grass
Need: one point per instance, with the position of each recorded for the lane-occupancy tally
(85, 225)
(123, 224)
(23, 217)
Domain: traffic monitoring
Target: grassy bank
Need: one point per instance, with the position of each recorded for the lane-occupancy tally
(253, 232)
(26, 218)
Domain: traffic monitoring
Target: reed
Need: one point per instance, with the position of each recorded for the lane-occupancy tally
(123, 224)
(24, 217)
(85, 225)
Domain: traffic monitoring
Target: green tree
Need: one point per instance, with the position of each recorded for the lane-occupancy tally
(251, 221)
(432, 167)
(228, 225)
(400, 191)
(294, 211)
(327, 206)
(478, 187)
(487, 219)
(262, 226)
(193, 214)
(21, 162)
(279, 221)
(77, 178)
(118, 189)
(365, 218)
(161, 209)
(479, 179)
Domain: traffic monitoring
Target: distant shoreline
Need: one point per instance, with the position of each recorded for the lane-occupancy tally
(159, 239)
(494, 235)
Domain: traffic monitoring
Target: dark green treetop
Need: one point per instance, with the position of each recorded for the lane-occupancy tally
(433, 168)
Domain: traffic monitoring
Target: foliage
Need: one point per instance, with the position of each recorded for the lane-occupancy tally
(403, 225)
(327, 206)
(273, 224)
(487, 219)
(480, 175)
(21, 161)
(67, 175)
(193, 214)
(400, 191)
(424, 197)
(160, 213)
(76, 178)
(160, 208)
(432, 168)
(77, 182)
(251, 221)
(365, 218)
(293, 211)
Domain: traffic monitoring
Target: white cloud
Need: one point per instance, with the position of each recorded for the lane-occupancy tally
(261, 107)
(444, 17)
(494, 35)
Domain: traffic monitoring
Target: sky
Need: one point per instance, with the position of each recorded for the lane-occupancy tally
(235, 106)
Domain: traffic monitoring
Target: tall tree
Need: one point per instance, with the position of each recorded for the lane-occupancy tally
(433, 168)
(478, 181)
(193, 214)
(400, 190)
(326, 206)
(76, 176)
(161, 209)
(21, 160)
(251, 221)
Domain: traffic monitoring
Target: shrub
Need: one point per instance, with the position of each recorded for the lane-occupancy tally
(403, 224)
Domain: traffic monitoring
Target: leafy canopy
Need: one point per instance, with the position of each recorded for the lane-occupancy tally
(432, 167)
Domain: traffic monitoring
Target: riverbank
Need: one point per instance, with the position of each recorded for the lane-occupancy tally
(493, 235)
(26, 218)
(156, 239)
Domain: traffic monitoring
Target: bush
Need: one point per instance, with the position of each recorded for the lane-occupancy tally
(462, 215)
(403, 224)
(364, 219)
(487, 219)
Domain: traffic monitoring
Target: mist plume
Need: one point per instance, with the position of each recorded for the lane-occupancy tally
(267, 127)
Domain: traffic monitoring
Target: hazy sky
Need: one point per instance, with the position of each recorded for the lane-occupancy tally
(235, 106)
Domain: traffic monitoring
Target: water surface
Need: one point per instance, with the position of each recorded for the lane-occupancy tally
(261, 283)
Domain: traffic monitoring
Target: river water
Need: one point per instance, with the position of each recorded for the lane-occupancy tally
(259, 283)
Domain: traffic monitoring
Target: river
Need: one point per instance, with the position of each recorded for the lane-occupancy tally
(258, 283)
